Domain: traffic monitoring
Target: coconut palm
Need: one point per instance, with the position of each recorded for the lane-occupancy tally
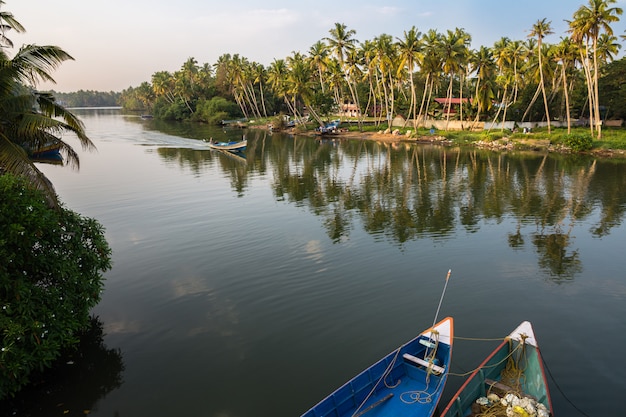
(409, 49)
(341, 42)
(385, 63)
(318, 58)
(8, 22)
(32, 119)
(588, 23)
(432, 65)
(541, 29)
(455, 51)
(259, 74)
(163, 85)
(565, 53)
(483, 64)
(367, 51)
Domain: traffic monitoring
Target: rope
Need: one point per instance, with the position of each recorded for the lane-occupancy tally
(423, 396)
(478, 339)
(506, 358)
(383, 378)
(560, 390)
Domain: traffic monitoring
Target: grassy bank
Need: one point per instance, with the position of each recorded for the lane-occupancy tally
(613, 142)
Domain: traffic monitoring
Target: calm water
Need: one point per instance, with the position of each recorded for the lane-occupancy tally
(255, 287)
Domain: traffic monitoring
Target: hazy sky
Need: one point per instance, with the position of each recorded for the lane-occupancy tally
(117, 44)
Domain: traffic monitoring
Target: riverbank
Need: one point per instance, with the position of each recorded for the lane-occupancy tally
(530, 141)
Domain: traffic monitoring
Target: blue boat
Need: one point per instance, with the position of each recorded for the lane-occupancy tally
(50, 151)
(408, 382)
(510, 381)
(236, 146)
(328, 128)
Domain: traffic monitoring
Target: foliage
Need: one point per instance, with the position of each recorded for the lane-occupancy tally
(514, 80)
(176, 110)
(88, 98)
(215, 110)
(578, 141)
(89, 367)
(492, 136)
(50, 278)
(612, 90)
(31, 120)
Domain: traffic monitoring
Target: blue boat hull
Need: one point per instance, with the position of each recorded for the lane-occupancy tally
(395, 385)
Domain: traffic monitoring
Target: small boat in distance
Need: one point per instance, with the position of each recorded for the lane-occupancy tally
(234, 146)
(407, 382)
(511, 381)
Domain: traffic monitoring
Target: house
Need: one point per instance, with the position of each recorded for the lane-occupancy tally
(349, 110)
(452, 105)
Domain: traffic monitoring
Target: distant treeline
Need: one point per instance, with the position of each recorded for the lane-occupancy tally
(89, 98)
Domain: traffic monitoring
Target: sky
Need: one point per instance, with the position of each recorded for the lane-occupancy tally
(117, 44)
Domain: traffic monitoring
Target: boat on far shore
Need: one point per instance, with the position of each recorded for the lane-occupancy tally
(328, 128)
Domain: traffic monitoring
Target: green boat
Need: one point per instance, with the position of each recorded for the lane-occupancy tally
(511, 381)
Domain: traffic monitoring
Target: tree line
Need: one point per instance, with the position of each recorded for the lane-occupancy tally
(88, 98)
(521, 80)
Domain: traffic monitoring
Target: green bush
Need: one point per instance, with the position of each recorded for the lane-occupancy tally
(51, 262)
(578, 141)
(215, 110)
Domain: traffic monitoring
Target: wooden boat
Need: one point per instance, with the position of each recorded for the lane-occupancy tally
(407, 382)
(328, 128)
(512, 377)
(47, 151)
(228, 146)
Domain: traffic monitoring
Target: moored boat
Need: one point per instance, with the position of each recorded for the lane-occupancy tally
(328, 128)
(510, 382)
(47, 151)
(407, 382)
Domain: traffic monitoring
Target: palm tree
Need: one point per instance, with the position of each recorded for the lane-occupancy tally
(341, 42)
(7, 22)
(259, 74)
(432, 65)
(565, 54)
(163, 85)
(541, 29)
(587, 25)
(367, 51)
(455, 52)
(385, 63)
(482, 63)
(33, 119)
(410, 48)
(318, 57)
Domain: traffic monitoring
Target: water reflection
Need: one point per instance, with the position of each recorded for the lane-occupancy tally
(402, 192)
(75, 384)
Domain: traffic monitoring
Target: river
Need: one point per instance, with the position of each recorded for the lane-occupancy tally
(253, 287)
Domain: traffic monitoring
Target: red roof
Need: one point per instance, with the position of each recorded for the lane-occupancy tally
(453, 100)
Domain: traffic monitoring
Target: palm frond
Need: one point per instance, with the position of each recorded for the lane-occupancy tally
(14, 159)
(33, 63)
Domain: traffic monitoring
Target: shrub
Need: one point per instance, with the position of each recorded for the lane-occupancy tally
(51, 262)
(215, 110)
(578, 141)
